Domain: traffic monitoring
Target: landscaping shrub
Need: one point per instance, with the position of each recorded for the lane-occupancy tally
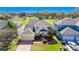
(13, 45)
(18, 42)
(52, 42)
(45, 41)
(37, 37)
(63, 43)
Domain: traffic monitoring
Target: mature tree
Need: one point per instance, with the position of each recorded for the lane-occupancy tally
(23, 14)
(60, 15)
(6, 36)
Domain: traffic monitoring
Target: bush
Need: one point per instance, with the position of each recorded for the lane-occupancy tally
(45, 41)
(63, 43)
(13, 45)
(37, 37)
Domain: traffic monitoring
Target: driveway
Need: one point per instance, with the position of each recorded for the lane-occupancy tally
(24, 46)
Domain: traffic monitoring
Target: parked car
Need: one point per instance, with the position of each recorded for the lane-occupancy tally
(73, 45)
(77, 42)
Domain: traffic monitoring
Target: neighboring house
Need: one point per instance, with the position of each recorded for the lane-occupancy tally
(68, 29)
(1, 16)
(77, 26)
(73, 23)
(42, 27)
(3, 23)
(69, 34)
(27, 35)
(20, 26)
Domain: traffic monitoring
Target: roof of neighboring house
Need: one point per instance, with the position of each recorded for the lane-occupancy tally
(31, 23)
(67, 22)
(69, 31)
(77, 24)
(28, 31)
(3, 23)
(17, 23)
(42, 22)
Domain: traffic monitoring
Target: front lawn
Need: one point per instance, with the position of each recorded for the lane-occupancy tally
(24, 20)
(46, 47)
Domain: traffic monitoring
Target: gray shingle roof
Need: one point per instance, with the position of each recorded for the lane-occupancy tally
(69, 31)
(31, 23)
(42, 22)
(67, 22)
(17, 23)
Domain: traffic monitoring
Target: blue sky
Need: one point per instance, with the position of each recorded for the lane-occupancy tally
(34, 9)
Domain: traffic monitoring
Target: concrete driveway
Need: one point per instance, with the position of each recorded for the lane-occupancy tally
(24, 46)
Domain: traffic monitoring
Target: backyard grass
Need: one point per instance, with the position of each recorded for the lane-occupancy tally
(51, 21)
(46, 47)
(24, 21)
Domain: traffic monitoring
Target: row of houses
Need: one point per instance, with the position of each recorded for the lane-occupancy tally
(68, 29)
(28, 31)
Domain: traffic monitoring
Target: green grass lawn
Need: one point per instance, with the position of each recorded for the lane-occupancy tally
(46, 47)
(23, 21)
(51, 21)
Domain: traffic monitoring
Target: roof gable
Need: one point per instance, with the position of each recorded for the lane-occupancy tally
(31, 23)
(67, 22)
(69, 31)
(28, 31)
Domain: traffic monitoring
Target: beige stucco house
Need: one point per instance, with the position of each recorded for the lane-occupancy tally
(42, 27)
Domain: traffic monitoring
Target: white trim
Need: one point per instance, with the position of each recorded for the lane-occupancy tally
(31, 31)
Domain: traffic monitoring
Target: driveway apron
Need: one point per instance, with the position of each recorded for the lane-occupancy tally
(24, 46)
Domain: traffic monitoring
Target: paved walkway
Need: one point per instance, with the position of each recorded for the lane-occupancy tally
(37, 42)
(24, 46)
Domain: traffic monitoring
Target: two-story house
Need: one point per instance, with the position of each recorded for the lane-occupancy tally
(42, 27)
